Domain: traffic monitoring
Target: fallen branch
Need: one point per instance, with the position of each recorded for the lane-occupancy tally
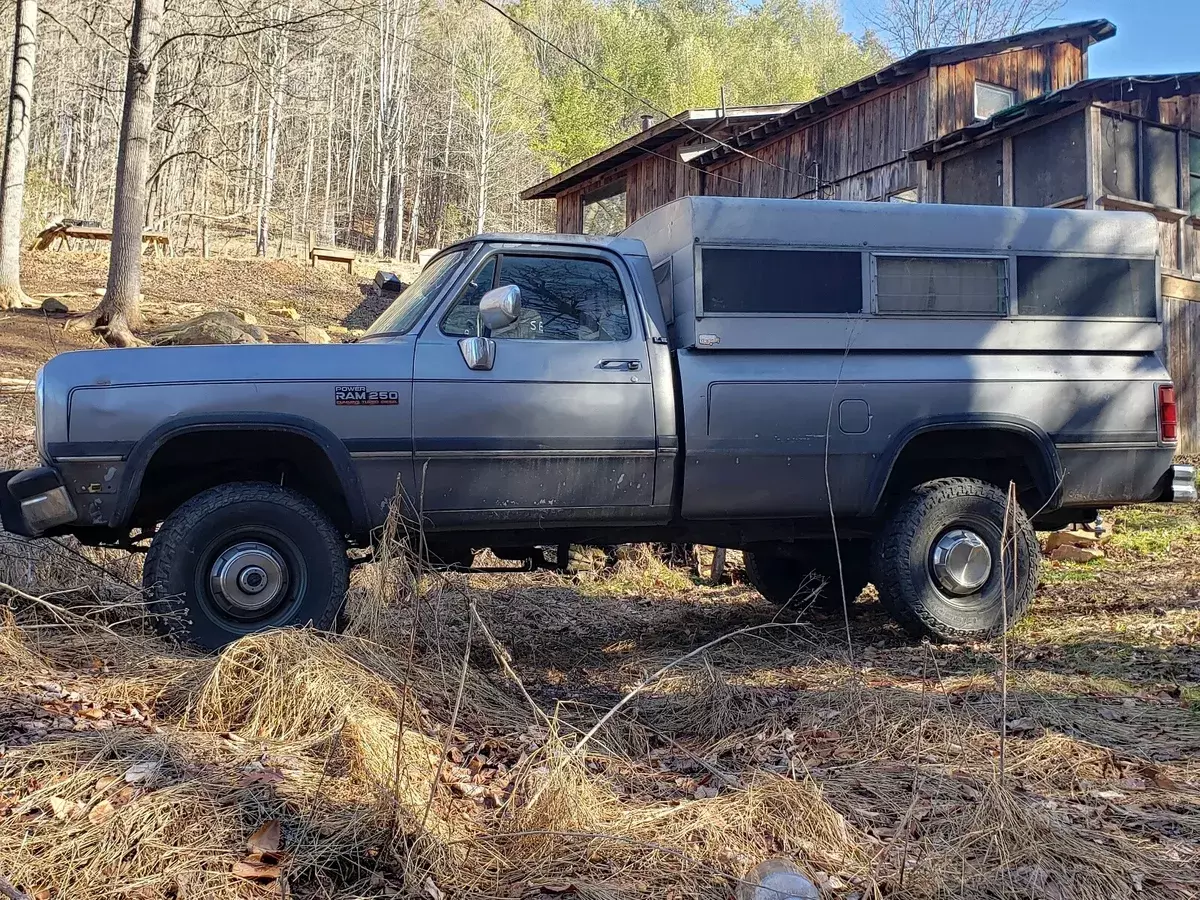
(7, 889)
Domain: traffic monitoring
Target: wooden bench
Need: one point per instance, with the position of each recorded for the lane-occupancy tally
(332, 254)
(60, 235)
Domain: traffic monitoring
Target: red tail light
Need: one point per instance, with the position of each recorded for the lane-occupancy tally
(1168, 413)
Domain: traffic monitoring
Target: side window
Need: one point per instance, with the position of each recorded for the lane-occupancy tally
(808, 282)
(565, 299)
(934, 285)
(1086, 287)
(463, 316)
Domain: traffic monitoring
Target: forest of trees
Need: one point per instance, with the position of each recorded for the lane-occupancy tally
(391, 125)
(385, 125)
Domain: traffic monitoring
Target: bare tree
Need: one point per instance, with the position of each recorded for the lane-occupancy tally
(911, 25)
(16, 154)
(117, 314)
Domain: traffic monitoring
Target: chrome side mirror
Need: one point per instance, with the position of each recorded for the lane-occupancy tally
(479, 353)
(499, 308)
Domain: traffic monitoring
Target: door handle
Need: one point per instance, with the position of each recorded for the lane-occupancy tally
(620, 365)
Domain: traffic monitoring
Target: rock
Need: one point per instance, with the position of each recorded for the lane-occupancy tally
(311, 334)
(1058, 539)
(248, 317)
(337, 329)
(388, 282)
(217, 327)
(1071, 553)
(286, 312)
(54, 306)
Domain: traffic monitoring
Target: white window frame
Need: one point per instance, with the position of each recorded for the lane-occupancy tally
(1007, 273)
(1000, 89)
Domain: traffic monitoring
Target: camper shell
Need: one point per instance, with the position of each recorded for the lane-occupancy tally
(761, 274)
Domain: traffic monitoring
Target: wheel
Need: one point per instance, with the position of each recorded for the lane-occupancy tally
(938, 562)
(781, 578)
(243, 557)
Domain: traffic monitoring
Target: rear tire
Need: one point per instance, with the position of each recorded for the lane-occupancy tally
(241, 558)
(781, 579)
(929, 594)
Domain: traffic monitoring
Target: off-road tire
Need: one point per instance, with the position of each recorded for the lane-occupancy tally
(779, 578)
(177, 566)
(902, 571)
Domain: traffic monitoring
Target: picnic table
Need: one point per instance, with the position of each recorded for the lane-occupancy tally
(60, 235)
(332, 254)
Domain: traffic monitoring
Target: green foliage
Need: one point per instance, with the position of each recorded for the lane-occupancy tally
(679, 54)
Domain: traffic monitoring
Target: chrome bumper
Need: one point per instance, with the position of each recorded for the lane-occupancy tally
(1182, 488)
(34, 501)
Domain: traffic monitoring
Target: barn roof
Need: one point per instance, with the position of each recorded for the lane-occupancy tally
(1091, 32)
(690, 121)
(1110, 88)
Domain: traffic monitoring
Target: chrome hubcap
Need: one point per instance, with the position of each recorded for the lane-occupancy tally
(961, 561)
(249, 577)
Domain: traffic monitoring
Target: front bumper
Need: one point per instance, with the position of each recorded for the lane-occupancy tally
(1182, 485)
(32, 501)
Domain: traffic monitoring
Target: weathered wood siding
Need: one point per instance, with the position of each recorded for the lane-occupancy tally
(856, 153)
(1182, 321)
(1031, 73)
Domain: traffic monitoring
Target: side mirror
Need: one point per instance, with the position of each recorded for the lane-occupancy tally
(479, 353)
(499, 308)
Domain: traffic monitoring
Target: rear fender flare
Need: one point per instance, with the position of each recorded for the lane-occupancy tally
(1048, 473)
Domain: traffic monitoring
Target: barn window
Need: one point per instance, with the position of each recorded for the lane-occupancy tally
(991, 99)
(604, 209)
(1086, 287)
(1140, 161)
(774, 282)
(941, 285)
(1194, 171)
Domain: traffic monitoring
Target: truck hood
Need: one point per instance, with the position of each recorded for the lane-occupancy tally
(88, 371)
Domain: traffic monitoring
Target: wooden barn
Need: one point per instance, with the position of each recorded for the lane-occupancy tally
(1015, 122)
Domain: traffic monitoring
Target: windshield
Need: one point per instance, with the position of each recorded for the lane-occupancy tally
(403, 314)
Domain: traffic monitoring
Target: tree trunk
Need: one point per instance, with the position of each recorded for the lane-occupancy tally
(117, 313)
(16, 154)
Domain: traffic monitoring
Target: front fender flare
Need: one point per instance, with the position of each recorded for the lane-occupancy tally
(333, 448)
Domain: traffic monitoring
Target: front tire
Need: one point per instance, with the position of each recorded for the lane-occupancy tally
(241, 558)
(782, 579)
(937, 562)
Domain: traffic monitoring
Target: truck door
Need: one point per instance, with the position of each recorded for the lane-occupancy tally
(561, 427)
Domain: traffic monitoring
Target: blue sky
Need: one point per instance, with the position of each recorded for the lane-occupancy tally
(1153, 36)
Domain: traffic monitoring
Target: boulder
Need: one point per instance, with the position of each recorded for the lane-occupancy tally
(1071, 553)
(286, 312)
(54, 306)
(217, 327)
(248, 317)
(311, 334)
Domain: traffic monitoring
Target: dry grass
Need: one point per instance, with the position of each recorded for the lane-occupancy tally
(433, 748)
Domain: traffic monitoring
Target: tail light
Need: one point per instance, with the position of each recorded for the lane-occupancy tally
(1168, 413)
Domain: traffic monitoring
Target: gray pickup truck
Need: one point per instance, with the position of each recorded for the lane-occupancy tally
(784, 377)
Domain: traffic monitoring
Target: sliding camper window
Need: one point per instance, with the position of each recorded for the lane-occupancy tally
(941, 285)
(1086, 287)
(781, 282)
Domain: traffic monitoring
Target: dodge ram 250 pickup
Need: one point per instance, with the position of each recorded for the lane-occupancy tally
(769, 375)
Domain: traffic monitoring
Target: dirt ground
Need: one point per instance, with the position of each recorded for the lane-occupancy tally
(444, 746)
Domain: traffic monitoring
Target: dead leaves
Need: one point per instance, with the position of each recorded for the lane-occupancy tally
(265, 854)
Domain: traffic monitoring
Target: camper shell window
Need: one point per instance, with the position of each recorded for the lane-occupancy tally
(941, 285)
(1086, 287)
(781, 281)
